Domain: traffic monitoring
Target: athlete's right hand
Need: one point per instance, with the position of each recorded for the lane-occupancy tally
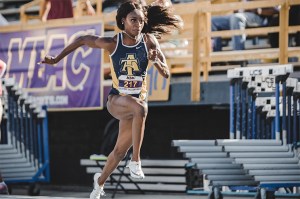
(152, 55)
(48, 60)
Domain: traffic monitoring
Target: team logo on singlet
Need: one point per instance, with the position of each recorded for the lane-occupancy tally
(129, 64)
(129, 81)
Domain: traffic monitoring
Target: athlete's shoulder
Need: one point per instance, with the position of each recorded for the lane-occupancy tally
(110, 40)
(151, 40)
(150, 37)
(110, 43)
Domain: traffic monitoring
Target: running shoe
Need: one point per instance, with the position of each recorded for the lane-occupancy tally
(136, 170)
(97, 191)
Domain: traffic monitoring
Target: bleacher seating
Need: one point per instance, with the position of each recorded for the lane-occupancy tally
(247, 164)
(10, 9)
(182, 48)
(161, 176)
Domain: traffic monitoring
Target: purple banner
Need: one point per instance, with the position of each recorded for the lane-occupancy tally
(73, 83)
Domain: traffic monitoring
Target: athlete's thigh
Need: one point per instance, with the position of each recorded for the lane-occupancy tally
(123, 107)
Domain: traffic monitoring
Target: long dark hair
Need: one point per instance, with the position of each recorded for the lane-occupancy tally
(159, 19)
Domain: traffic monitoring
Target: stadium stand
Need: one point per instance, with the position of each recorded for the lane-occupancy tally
(10, 9)
(194, 39)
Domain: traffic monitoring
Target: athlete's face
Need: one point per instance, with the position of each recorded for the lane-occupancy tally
(134, 22)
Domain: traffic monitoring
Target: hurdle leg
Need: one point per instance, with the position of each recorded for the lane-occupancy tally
(289, 116)
(284, 128)
(232, 107)
(217, 193)
(294, 140)
(238, 110)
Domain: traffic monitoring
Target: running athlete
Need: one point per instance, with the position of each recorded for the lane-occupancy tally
(130, 51)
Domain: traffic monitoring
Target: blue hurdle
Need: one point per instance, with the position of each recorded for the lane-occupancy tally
(256, 81)
(260, 153)
(24, 154)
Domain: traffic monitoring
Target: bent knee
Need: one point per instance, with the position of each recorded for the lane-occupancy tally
(119, 154)
(141, 110)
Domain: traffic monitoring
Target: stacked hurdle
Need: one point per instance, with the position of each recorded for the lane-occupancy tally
(261, 153)
(24, 153)
(261, 108)
(232, 163)
(257, 111)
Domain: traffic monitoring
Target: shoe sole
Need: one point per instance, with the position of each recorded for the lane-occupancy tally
(133, 175)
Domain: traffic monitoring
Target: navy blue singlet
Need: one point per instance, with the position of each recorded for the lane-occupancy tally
(129, 68)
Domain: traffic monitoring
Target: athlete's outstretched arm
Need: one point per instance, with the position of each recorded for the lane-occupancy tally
(92, 41)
